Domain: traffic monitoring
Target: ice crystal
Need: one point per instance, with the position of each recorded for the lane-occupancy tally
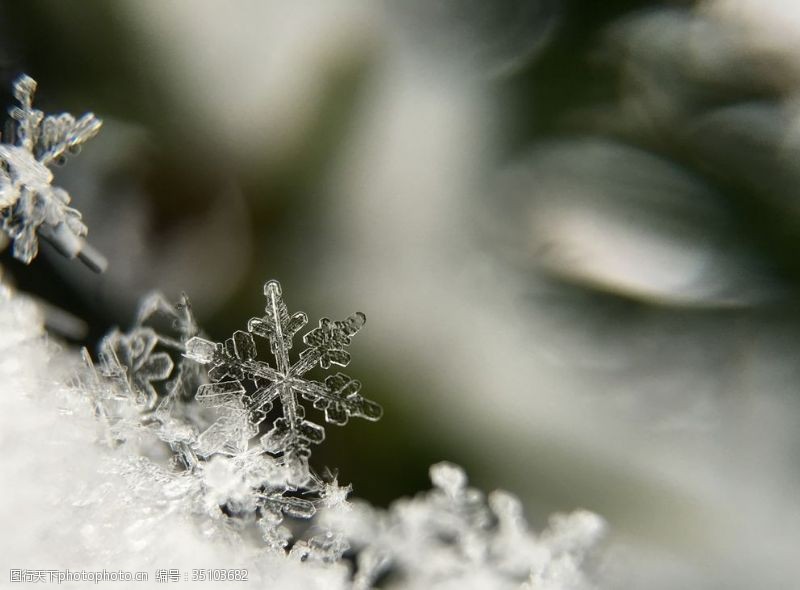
(454, 537)
(131, 359)
(133, 356)
(30, 206)
(327, 544)
(449, 537)
(152, 373)
(148, 369)
(245, 388)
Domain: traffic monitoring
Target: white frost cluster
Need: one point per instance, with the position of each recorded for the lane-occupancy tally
(103, 478)
(454, 537)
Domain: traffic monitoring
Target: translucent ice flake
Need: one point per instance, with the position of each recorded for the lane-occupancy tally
(148, 359)
(247, 387)
(30, 206)
(146, 369)
(327, 547)
(132, 361)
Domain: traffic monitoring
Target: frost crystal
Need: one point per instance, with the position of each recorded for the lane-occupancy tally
(452, 537)
(245, 388)
(148, 384)
(30, 206)
(152, 382)
(146, 368)
(133, 357)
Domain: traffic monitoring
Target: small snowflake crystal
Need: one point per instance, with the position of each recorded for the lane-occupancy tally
(146, 370)
(30, 206)
(245, 388)
(151, 352)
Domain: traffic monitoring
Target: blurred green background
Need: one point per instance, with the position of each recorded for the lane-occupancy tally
(572, 226)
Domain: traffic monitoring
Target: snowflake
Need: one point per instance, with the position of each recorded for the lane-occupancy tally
(234, 366)
(452, 536)
(30, 206)
(148, 369)
(155, 387)
(131, 360)
(134, 360)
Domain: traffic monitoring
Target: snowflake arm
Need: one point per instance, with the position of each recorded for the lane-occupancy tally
(339, 398)
(279, 504)
(327, 343)
(228, 435)
(30, 206)
(48, 138)
(277, 326)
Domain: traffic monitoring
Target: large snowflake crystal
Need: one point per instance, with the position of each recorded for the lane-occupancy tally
(30, 206)
(245, 388)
